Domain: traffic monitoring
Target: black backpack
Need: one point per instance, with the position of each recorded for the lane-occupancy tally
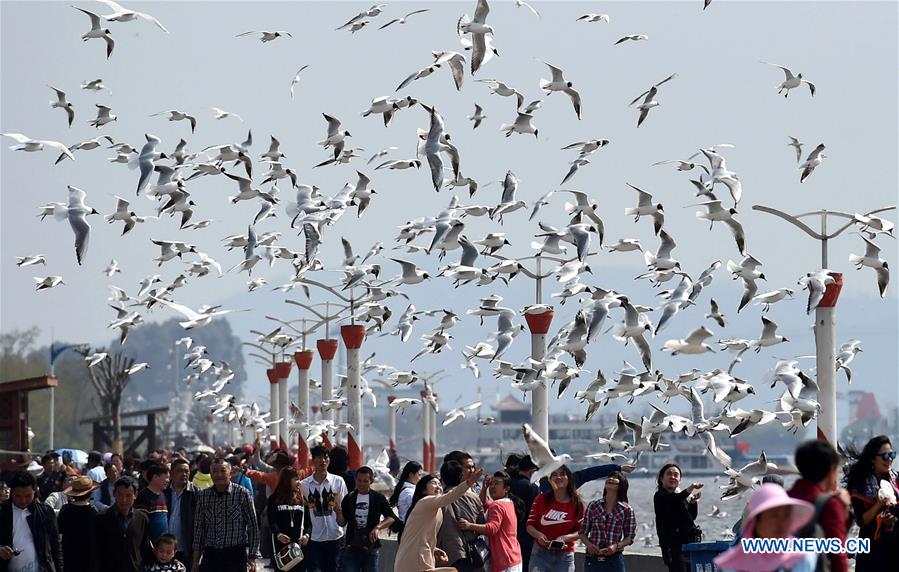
(814, 530)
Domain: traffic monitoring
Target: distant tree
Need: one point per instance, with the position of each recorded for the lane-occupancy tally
(110, 377)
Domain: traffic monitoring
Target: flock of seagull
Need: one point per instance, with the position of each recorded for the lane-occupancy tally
(164, 179)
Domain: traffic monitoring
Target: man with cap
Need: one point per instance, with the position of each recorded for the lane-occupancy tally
(29, 538)
(77, 526)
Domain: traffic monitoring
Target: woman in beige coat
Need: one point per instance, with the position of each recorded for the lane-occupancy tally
(418, 541)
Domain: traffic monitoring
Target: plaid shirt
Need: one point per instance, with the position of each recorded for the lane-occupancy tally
(225, 520)
(604, 528)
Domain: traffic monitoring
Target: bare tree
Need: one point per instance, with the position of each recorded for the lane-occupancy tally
(110, 377)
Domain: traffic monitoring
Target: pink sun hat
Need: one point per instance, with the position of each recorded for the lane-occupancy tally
(766, 497)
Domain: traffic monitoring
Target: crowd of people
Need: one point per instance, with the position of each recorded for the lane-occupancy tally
(175, 512)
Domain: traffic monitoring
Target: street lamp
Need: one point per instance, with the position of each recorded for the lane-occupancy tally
(825, 318)
(538, 324)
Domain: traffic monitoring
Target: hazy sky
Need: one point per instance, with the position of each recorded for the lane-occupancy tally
(722, 95)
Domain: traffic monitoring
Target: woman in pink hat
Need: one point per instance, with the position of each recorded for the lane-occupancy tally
(771, 514)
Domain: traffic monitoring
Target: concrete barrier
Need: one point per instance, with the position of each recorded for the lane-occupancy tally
(633, 561)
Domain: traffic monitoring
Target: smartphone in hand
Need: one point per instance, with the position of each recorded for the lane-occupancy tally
(556, 545)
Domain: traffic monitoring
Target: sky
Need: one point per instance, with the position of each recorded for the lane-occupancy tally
(722, 94)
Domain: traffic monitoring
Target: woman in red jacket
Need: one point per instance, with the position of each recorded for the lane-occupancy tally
(555, 522)
(502, 524)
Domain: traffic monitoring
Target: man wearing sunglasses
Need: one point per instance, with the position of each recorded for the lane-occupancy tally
(819, 465)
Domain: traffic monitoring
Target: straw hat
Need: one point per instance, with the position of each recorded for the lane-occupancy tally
(80, 487)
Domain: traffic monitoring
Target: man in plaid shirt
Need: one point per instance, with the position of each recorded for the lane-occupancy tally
(609, 525)
(226, 534)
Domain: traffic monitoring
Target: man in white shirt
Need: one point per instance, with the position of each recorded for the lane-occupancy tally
(323, 493)
(29, 537)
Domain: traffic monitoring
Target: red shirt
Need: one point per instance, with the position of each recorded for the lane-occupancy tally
(833, 518)
(502, 526)
(555, 519)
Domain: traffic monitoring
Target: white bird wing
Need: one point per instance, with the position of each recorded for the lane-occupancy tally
(540, 453)
(188, 313)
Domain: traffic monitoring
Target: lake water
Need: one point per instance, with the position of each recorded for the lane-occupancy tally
(641, 491)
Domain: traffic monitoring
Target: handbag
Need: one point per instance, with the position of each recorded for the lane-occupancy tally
(694, 535)
(289, 556)
(477, 551)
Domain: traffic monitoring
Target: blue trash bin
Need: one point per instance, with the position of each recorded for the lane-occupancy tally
(702, 553)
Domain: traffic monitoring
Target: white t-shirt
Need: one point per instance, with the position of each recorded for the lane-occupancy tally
(405, 500)
(22, 540)
(322, 497)
(361, 511)
(97, 474)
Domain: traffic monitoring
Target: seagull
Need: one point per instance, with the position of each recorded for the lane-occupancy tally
(632, 37)
(402, 20)
(145, 161)
(401, 403)
(478, 116)
(30, 145)
(95, 358)
(874, 224)
(769, 336)
(62, 103)
(221, 114)
(296, 79)
(715, 314)
(375, 10)
(645, 207)
(814, 159)
(769, 298)
(46, 283)
(522, 125)
(23, 261)
(97, 32)
(559, 83)
(625, 245)
(520, 3)
(137, 368)
(501, 89)
(95, 85)
(649, 102)
(456, 63)
(433, 147)
(594, 18)
(77, 213)
(872, 259)
(791, 81)
(816, 283)
(797, 145)
(478, 30)
(175, 115)
(335, 136)
(112, 268)
(454, 415)
(103, 116)
(411, 274)
(716, 213)
(634, 325)
(419, 74)
(540, 451)
(195, 319)
(120, 14)
(692, 344)
(266, 36)
(845, 356)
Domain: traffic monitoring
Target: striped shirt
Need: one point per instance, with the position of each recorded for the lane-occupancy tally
(224, 520)
(604, 528)
(157, 512)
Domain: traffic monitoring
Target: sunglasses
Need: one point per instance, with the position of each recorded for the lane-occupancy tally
(888, 456)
